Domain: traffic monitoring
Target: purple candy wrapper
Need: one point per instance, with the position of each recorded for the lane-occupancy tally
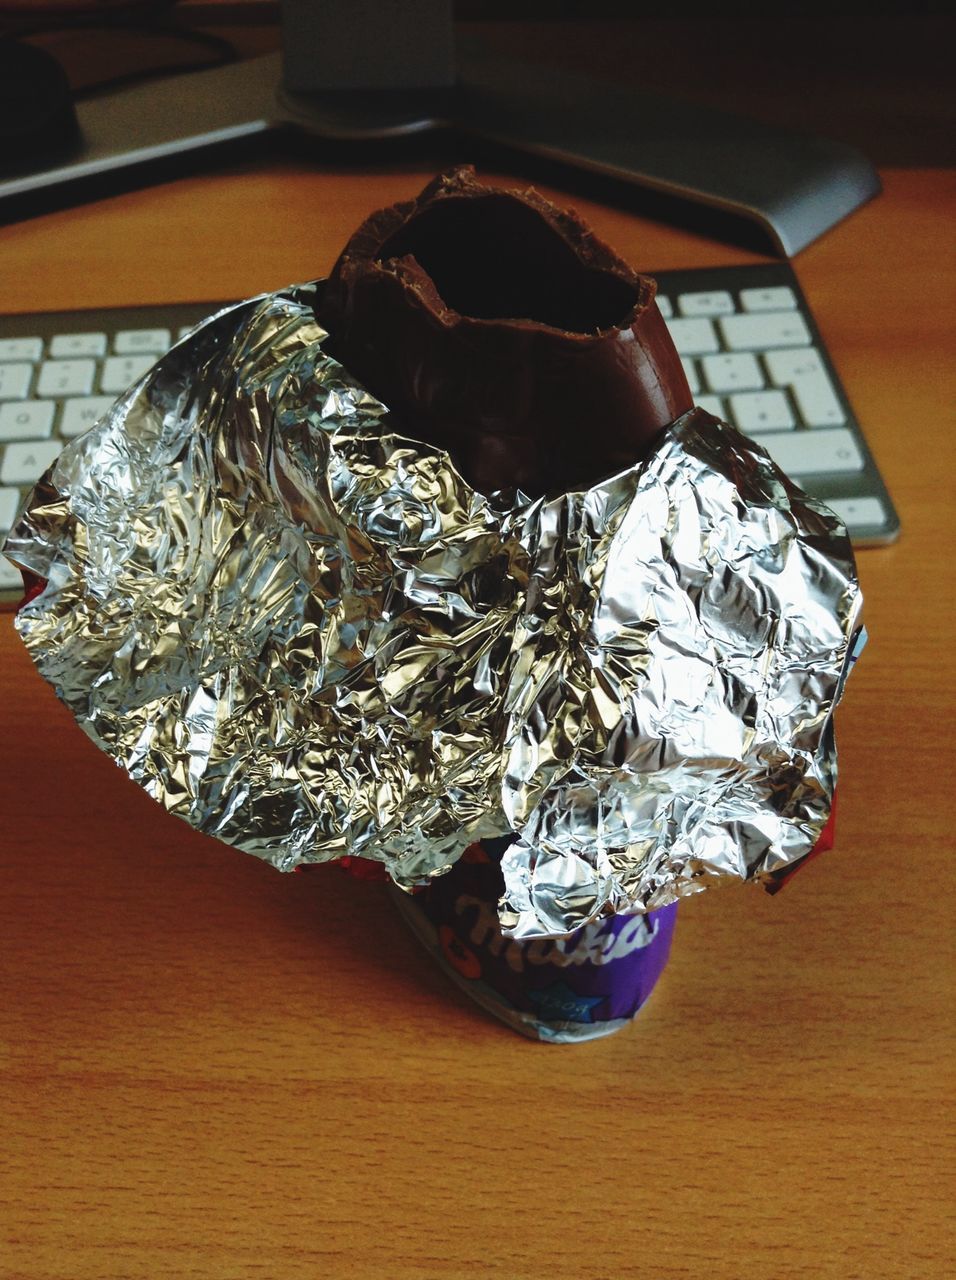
(588, 984)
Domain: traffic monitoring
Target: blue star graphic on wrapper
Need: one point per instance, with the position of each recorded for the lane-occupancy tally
(558, 1003)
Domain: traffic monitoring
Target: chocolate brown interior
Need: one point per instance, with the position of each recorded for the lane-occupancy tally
(494, 258)
(503, 330)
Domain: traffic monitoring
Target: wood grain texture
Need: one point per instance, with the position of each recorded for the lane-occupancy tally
(212, 1070)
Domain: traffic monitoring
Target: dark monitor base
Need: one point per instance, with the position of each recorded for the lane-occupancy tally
(789, 187)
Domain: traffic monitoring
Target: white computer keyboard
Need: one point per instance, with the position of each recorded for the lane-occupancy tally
(749, 344)
(755, 357)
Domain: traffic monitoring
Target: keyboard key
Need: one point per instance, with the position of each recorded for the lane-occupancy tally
(10, 579)
(761, 411)
(780, 298)
(663, 306)
(858, 512)
(712, 404)
(738, 371)
(803, 370)
(693, 337)
(64, 345)
(131, 342)
(691, 374)
(802, 453)
(66, 377)
(120, 372)
(25, 462)
(817, 401)
(788, 364)
(15, 381)
(21, 348)
(82, 413)
(9, 506)
(765, 330)
(26, 419)
(717, 303)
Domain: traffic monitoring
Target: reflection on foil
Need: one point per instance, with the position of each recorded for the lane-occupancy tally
(309, 637)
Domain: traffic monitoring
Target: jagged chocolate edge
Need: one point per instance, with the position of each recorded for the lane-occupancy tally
(502, 329)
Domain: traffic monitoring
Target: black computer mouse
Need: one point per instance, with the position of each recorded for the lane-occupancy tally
(37, 116)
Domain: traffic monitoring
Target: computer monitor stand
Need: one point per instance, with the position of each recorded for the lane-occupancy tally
(792, 186)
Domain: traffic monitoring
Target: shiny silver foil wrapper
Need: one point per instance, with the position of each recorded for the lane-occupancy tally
(309, 637)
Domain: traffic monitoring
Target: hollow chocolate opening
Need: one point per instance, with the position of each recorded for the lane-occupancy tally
(494, 258)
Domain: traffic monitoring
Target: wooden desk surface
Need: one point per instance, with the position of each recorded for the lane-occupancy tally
(199, 1081)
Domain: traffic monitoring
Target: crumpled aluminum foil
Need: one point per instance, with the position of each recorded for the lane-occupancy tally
(309, 637)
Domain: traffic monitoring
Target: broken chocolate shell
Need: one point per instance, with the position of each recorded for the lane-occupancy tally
(501, 329)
